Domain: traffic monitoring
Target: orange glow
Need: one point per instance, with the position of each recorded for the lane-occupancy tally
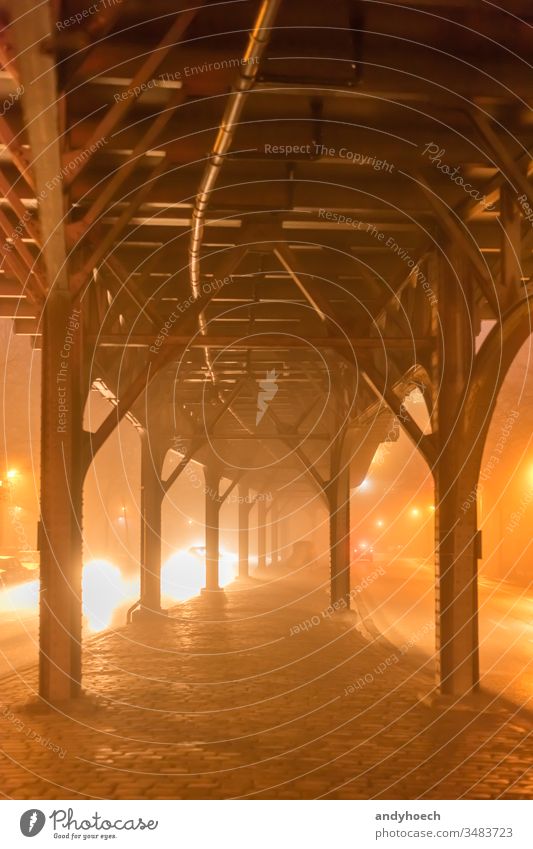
(106, 593)
(104, 590)
(183, 574)
(20, 598)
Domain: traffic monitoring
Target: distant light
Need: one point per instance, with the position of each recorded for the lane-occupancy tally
(432, 508)
(20, 597)
(190, 521)
(12, 473)
(104, 589)
(380, 523)
(415, 396)
(228, 556)
(121, 520)
(364, 485)
(363, 545)
(415, 512)
(183, 574)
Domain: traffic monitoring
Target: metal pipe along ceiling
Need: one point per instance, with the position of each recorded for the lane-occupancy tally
(257, 44)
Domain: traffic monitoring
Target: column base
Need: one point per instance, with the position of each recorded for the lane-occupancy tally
(474, 701)
(41, 706)
(147, 614)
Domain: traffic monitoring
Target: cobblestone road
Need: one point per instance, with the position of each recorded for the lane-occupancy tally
(240, 698)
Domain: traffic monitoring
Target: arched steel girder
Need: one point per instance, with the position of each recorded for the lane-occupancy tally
(491, 367)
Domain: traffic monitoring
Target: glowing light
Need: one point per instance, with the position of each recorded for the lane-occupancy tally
(12, 474)
(228, 556)
(380, 523)
(20, 597)
(103, 590)
(415, 512)
(431, 508)
(183, 574)
(364, 485)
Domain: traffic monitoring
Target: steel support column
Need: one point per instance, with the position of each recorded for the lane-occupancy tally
(61, 501)
(338, 495)
(261, 533)
(283, 533)
(244, 532)
(274, 533)
(212, 517)
(457, 538)
(152, 494)
(458, 550)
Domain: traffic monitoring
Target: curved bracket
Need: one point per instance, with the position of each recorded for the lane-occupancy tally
(491, 366)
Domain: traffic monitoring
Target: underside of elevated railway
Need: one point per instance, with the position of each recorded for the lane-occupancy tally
(255, 229)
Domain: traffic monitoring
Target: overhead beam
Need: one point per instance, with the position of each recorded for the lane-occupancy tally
(511, 247)
(314, 295)
(31, 25)
(510, 170)
(457, 232)
(423, 442)
(121, 107)
(266, 340)
(109, 188)
(18, 154)
(25, 216)
(105, 244)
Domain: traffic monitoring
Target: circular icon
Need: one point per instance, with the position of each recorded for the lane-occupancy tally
(32, 822)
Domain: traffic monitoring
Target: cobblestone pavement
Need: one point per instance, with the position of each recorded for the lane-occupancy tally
(260, 694)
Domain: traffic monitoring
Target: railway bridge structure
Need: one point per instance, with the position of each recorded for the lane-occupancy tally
(255, 227)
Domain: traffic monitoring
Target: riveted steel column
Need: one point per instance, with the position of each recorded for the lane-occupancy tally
(457, 536)
(274, 533)
(151, 504)
(244, 532)
(261, 532)
(61, 500)
(212, 517)
(338, 496)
